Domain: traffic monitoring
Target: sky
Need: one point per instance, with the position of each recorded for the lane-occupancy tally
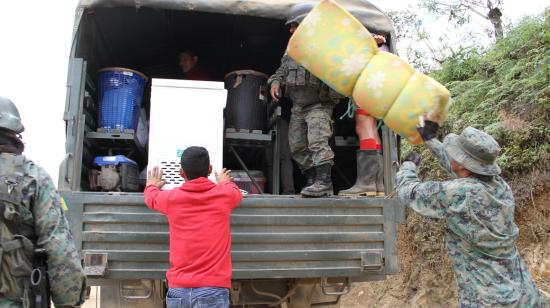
(35, 39)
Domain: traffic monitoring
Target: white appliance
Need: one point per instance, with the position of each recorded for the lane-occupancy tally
(185, 113)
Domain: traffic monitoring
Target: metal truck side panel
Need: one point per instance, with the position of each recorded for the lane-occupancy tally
(273, 237)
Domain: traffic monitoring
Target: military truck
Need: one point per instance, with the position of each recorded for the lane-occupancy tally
(287, 251)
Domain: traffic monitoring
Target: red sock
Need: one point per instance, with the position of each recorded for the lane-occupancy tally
(367, 144)
(378, 146)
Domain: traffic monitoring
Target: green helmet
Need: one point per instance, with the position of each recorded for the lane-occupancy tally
(9, 116)
(298, 12)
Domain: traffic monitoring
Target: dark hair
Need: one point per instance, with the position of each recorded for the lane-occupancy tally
(190, 52)
(195, 162)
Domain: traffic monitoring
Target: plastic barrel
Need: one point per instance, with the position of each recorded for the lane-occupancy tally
(246, 100)
(120, 95)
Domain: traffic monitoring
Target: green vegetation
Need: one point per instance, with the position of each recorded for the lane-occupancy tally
(504, 91)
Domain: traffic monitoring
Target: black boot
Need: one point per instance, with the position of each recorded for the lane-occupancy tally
(323, 183)
(380, 189)
(310, 176)
(367, 171)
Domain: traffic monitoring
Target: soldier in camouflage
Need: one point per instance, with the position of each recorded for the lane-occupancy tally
(32, 215)
(310, 126)
(478, 210)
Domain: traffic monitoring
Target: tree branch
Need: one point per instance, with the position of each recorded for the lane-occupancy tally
(462, 7)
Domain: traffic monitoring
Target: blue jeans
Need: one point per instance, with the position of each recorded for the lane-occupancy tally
(197, 298)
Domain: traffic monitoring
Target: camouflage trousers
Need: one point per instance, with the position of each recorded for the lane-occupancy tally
(310, 129)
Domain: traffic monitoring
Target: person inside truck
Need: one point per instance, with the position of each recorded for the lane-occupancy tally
(200, 240)
(477, 207)
(370, 172)
(190, 67)
(310, 126)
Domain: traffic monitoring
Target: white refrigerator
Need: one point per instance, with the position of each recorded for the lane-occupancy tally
(185, 113)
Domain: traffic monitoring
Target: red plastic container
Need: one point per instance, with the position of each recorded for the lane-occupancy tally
(245, 183)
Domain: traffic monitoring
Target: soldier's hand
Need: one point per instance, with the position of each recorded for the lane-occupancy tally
(379, 39)
(427, 129)
(275, 91)
(154, 177)
(413, 157)
(223, 176)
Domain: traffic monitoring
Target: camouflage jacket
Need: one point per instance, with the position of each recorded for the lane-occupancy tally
(44, 211)
(291, 74)
(480, 234)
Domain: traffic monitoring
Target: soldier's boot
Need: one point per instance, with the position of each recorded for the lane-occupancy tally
(323, 183)
(368, 169)
(310, 178)
(380, 189)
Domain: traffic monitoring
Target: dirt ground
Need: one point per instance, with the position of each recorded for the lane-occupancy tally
(429, 282)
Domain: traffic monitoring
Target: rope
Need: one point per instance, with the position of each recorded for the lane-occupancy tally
(350, 112)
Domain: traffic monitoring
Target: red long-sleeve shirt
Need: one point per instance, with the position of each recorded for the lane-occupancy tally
(197, 73)
(200, 238)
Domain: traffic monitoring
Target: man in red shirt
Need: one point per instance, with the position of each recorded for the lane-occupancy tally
(198, 214)
(189, 64)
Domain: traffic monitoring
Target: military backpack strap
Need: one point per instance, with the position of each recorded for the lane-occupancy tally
(4, 197)
(10, 193)
(11, 178)
(10, 200)
(13, 228)
(16, 249)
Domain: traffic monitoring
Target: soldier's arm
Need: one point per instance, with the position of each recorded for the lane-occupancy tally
(427, 199)
(438, 150)
(279, 76)
(66, 276)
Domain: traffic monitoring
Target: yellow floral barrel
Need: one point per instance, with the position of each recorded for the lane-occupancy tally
(335, 47)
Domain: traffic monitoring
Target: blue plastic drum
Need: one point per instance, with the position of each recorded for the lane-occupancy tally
(120, 95)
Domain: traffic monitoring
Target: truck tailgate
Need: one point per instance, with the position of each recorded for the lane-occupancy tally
(272, 237)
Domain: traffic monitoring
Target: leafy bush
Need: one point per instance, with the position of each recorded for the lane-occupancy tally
(505, 91)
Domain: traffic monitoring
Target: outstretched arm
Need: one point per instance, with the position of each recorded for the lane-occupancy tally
(155, 198)
(438, 149)
(427, 199)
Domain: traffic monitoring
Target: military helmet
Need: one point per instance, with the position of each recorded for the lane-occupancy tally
(298, 12)
(9, 116)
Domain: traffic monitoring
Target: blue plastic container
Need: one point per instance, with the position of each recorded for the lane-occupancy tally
(113, 160)
(120, 95)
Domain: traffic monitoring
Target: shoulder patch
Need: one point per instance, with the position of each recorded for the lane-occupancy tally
(64, 205)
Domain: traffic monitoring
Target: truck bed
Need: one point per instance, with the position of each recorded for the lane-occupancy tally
(272, 236)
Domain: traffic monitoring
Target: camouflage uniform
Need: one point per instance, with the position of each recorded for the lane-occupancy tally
(43, 220)
(310, 126)
(480, 229)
